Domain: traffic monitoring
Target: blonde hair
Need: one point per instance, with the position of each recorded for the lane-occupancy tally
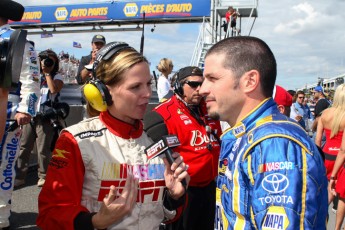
(339, 106)
(164, 65)
(112, 72)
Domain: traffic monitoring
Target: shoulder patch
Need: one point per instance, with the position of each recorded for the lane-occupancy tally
(89, 134)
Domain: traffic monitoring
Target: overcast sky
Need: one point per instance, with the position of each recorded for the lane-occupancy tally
(307, 38)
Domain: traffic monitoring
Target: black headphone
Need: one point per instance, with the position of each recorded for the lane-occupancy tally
(184, 73)
(178, 86)
(95, 91)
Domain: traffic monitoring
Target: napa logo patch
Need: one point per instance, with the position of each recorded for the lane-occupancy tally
(275, 218)
(239, 130)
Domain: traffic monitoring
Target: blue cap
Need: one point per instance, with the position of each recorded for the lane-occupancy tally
(318, 89)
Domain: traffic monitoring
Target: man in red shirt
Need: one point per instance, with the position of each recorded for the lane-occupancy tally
(230, 16)
(185, 115)
(283, 100)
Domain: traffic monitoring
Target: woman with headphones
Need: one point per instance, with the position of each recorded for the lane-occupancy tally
(40, 129)
(99, 176)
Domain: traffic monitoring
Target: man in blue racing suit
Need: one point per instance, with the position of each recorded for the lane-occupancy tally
(271, 175)
(21, 107)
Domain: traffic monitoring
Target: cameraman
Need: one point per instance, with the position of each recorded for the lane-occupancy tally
(21, 106)
(40, 128)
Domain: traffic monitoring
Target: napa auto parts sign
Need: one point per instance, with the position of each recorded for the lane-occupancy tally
(117, 11)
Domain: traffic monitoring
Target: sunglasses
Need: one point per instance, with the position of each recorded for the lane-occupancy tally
(193, 84)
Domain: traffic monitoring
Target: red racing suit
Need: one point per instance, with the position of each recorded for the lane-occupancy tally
(200, 147)
(195, 140)
(90, 157)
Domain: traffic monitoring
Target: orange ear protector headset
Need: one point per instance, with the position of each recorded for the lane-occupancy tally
(95, 91)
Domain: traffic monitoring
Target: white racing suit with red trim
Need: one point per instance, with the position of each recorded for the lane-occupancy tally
(271, 175)
(22, 99)
(90, 157)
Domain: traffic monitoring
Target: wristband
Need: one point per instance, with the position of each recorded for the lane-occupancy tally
(332, 178)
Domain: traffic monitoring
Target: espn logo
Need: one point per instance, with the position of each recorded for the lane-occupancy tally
(155, 149)
(172, 141)
(168, 141)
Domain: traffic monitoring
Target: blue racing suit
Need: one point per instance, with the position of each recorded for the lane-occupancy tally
(271, 175)
(21, 99)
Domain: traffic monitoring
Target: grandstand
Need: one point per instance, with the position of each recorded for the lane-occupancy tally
(329, 84)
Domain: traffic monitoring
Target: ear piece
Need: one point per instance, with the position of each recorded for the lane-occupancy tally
(95, 91)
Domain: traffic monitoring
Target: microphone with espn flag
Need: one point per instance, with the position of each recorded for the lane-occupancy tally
(163, 142)
(164, 145)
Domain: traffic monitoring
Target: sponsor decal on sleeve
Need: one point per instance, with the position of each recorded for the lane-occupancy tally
(31, 101)
(59, 158)
(223, 164)
(187, 122)
(239, 130)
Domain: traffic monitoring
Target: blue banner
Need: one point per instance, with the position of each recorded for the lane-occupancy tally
(115, 11)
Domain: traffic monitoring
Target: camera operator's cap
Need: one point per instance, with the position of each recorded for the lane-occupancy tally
(189, 71)
(281, 96)
(318, 89)
(11, 10)
(98, 38)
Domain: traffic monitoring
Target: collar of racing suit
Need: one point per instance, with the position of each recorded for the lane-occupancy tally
(121, 128)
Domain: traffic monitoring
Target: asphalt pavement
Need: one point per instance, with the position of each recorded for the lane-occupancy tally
(24, 203)
(25, 209)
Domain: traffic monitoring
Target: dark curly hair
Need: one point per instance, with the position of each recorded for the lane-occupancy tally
(50, 52)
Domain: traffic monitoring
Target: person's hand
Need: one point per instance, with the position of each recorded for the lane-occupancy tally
(298, 117)
(174, 174)
(331, 187)
(93, 55)
(22, 118)
(114, 209)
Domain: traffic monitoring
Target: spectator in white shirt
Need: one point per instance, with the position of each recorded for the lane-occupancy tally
(165, 67)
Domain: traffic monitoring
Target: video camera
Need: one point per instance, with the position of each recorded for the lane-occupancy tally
(11, 57)
(47, 61)
(11, 49)
(55, 112)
